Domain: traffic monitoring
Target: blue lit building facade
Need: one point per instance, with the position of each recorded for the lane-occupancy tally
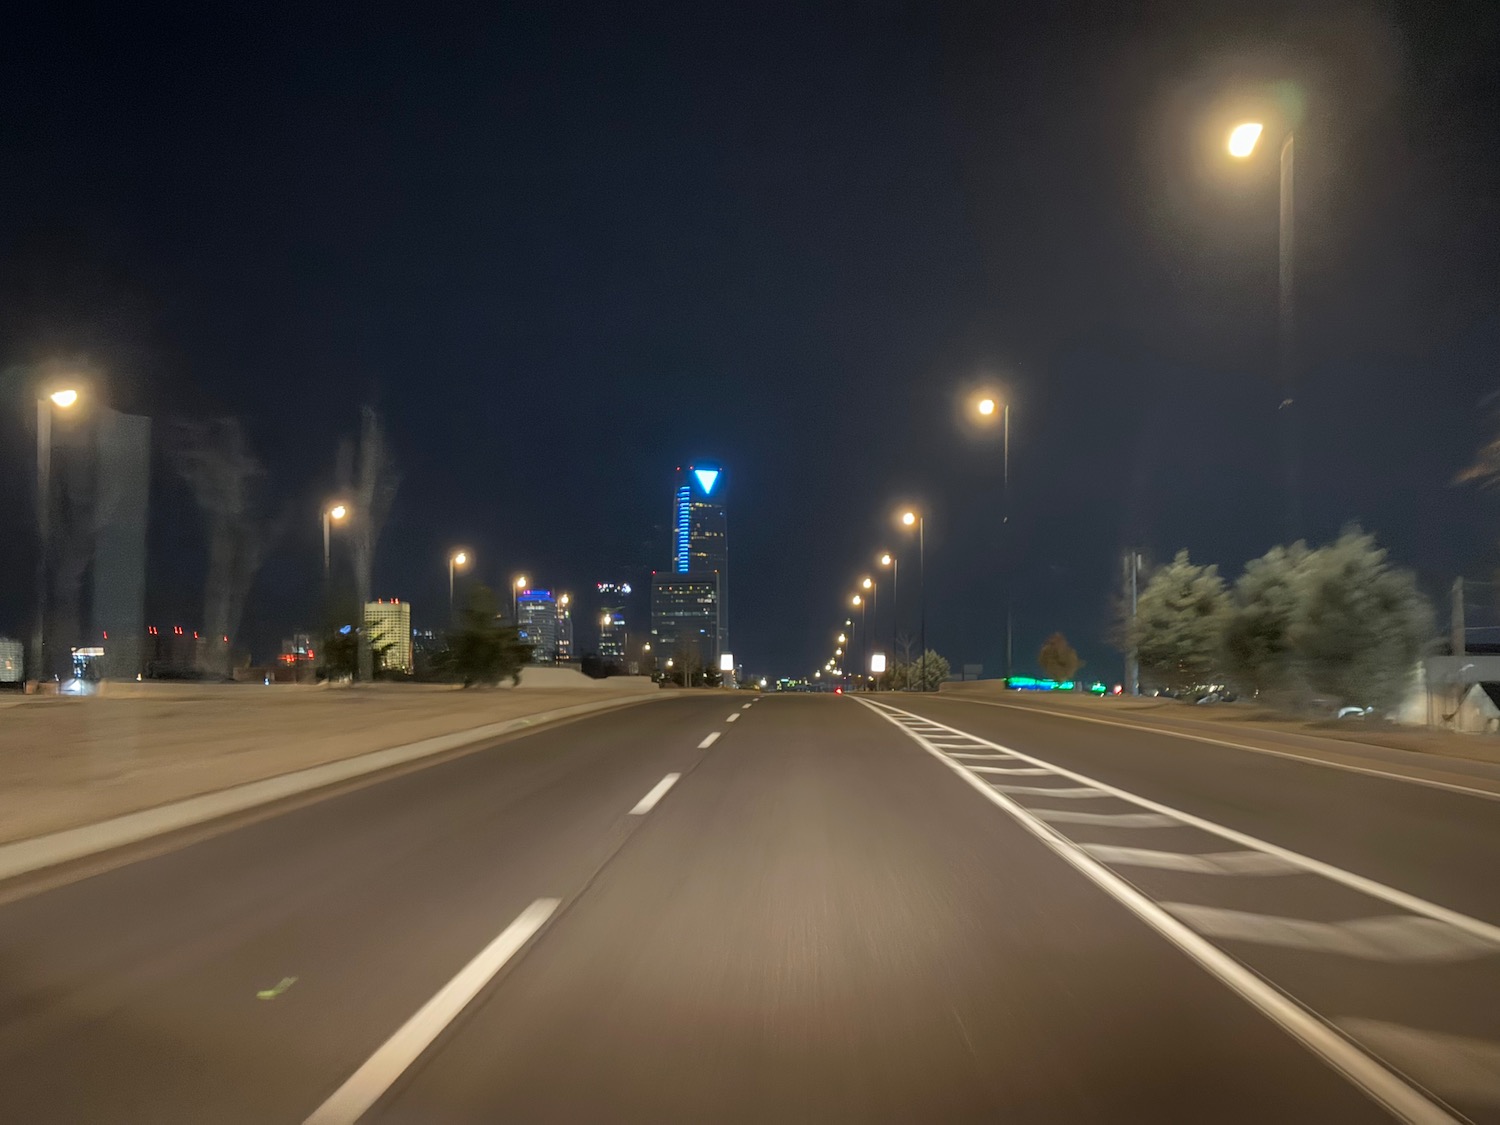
(690, 603)
(536, 617)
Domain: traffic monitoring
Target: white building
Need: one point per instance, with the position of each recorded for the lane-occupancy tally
(388, 621)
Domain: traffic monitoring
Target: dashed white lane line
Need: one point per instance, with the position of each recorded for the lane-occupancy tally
(746, 707)
(1395, 937)
(1107, 820)
(1214, 863)
(709, 741)
(1455, 1066)
(1385, 1087)
(733, 718)
(366, 1085)
(658, 791)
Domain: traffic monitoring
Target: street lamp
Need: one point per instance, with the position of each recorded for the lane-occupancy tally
(909, 518)
(987, 407)
(455, 560)
(63, 398)
(1242, 141)
(868, 583)
(890, 560)
(334, 513)
(515, 598)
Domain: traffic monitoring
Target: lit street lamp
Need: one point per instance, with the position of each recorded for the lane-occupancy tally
(874, 615)
(908, 519)
(64, 398)
(987, 407)
(1242, 141)
(890, 560)
(455, 560)
(334, 513)
(515, 598)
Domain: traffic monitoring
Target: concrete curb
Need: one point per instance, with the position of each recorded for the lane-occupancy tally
(21, 857)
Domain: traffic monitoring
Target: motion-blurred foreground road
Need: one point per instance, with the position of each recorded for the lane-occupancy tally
(802, 908)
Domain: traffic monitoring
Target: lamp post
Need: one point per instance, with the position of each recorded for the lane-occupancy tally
(64, 398)
(455, 560)
(864, 626)
(917, 518)
(869, 586)
(987, 407)
(515, 599)
(890, 560)
(1242, 141)
(332, 514)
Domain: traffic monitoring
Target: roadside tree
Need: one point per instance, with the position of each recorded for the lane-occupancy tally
(482, 649)
(1258, 651)
(1057, 659)
(1361, 624)
(1178, 630)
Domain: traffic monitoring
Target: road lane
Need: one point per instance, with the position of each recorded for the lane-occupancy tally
(1358, 953)
(1441, 845)
(821, 923)
(132, 995)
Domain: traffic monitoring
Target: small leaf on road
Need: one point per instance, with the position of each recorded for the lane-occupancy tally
(277, 989)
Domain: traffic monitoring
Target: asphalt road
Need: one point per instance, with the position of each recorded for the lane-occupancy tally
(833, 912)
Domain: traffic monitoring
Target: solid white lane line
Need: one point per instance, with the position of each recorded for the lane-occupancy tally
(1360, 883)
(987, 754)
(658, 791)
(1455, 1066)
(1450, 786)
(733, 718)
(1106, 820)
(709, 741)
(1359, 1068)
(365, 1086)
(1051, 791)
(1399, 937)
(1216, 863)
(1034, 771)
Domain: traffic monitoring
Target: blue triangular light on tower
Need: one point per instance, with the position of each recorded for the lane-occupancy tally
(707, 478)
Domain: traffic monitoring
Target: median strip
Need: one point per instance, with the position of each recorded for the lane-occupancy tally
(24, 856)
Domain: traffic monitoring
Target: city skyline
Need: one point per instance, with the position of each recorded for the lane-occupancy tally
(813, 332)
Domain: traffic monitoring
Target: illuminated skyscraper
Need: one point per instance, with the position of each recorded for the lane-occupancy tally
(690, 605)
(564, 628)
(613, 631)
(536, 613)
(389, 625)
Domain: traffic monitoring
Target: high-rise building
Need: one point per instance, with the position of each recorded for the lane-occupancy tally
(613, 637)
(388, 622)
(613, 632)
(536, 616)
(686, 618)
(564, 628)
(700, 551)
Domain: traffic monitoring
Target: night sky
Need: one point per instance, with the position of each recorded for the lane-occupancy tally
(565, 248)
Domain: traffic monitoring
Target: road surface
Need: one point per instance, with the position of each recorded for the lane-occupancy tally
(802, 908)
